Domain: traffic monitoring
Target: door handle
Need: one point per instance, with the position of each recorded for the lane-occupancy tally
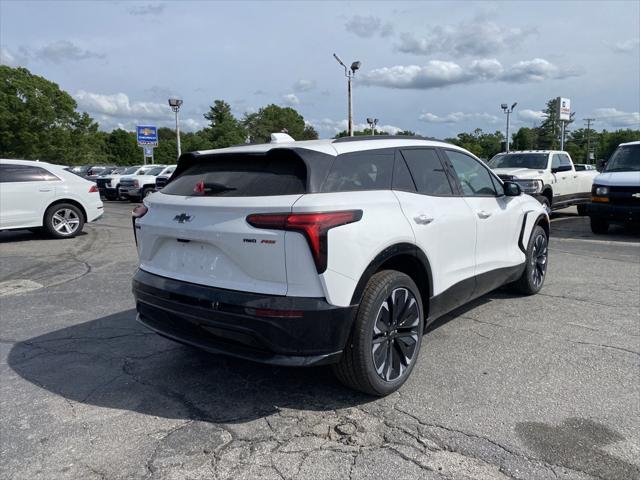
(575, 176)
(45, 189)
(422, 219)
(482, 214)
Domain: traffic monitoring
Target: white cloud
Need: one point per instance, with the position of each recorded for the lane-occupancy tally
(626, 46)
(119, 105)
(457, 117)
(290, 100)
(438, 73)
(528, 115)
(10, 58)
(64, 50)
(303, 85)
(149, 9)
(368, 26)
(478, 37)
(616, 118)
(332, 127)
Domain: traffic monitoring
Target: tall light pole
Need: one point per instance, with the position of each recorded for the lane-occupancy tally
(349, 73)
(372, 124)
(508, 111)
(175, 105)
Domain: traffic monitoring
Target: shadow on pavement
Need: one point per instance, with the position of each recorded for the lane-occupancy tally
(565, 224)
(15, 236)
(114, 362)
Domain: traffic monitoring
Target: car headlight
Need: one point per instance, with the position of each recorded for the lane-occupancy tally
(530, 186)
(602, 191)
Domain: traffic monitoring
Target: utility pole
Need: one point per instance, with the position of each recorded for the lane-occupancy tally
(589, 120)
(508, 111)
(349, 73)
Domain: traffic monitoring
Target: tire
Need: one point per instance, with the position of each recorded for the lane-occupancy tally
(546, 204)
(599, 225)
(582, 210)
(146, 192)
(359, 367)
(535, 270)
(63, 220)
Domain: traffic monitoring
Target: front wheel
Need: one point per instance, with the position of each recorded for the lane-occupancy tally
(386, 337)
(582, 210)
(535, 269)
(63, 220)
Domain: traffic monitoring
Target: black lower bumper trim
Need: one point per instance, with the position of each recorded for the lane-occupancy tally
(241, 324)
(614, 213)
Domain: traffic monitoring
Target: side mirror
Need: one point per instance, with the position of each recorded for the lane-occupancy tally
(512, 189)
(561, 168)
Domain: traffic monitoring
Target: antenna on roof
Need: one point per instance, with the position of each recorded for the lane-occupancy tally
(281, 138)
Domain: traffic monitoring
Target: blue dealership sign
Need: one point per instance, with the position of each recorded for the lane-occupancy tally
(147, 135)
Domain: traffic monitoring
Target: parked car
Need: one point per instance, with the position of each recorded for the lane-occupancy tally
(142, 183)
(39, 194)
(330, 251)
(548, 175)
(96, 172)
(109, 185)
(616, 191)
(581, 167)
(163, 177)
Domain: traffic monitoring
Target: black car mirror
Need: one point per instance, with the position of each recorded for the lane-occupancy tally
(512, 189)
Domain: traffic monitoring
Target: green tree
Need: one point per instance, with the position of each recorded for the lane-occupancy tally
(550, 130)
(121, 148)
(38, 120)
(225, 130)
(273, 118)
(525, 139)
(484, 145)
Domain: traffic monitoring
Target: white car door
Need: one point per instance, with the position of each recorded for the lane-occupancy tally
(24, 193)
(564, 179)
(442, 222)
(498, 217)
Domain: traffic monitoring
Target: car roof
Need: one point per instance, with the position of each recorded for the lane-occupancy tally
(630, 143)
(25, 162)
(533, 151)
(337, 146)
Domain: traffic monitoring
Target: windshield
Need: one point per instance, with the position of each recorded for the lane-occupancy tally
(535, 161)
(155, 171)
(130, 170)
(624, 159)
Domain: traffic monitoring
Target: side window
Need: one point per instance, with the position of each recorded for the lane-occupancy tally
(401, 177)
(555, 161)
(475, 179)
(21, 173)
(564, 160)
(427, 171)
(367, 170)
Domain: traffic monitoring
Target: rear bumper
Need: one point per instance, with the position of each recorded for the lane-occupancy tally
(614, 213)
(106, 191)
(241, 324)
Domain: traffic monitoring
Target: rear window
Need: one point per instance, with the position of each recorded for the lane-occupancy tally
(245, 175)
(366, 170)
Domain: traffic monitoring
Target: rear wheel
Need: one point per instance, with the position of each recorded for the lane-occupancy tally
(535, 270)
(582, 210)
(386, 337)
(146, 192)
(599, 225)
(63, 220)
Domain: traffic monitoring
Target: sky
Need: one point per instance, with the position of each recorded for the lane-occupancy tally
(436, 68)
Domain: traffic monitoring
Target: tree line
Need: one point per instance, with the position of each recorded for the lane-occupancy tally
(39, 120)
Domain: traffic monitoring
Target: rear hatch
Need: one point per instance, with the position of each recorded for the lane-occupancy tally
(196, 229)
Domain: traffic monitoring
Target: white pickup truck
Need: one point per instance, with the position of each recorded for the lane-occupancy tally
(548, 175)
(136, 187)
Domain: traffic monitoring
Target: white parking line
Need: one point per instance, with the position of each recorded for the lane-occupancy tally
(589, 240)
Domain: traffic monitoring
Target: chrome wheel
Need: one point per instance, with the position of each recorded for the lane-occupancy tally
(395, 334)
(539, 260)
(65, 221)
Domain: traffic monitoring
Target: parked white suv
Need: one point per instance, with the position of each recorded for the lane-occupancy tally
(39, 194)
(549, 175)
(330, 251)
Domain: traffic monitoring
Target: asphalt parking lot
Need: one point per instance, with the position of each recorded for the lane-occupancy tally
(508, 387)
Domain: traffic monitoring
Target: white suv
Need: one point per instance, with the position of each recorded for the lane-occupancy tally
(330, 251)
(37, 195)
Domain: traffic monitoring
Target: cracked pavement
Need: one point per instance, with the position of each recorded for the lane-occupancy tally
(508, 387)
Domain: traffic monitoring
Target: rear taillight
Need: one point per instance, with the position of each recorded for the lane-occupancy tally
(314, 226)
(93, 189)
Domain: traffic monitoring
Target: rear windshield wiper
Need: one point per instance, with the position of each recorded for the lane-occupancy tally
(213, 188)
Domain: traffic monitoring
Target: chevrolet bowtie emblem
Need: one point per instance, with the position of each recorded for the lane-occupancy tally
(182, 218)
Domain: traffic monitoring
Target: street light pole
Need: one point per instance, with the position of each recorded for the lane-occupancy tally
(349, 73)
(175, 105)
(508, 111)
(372, 124)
